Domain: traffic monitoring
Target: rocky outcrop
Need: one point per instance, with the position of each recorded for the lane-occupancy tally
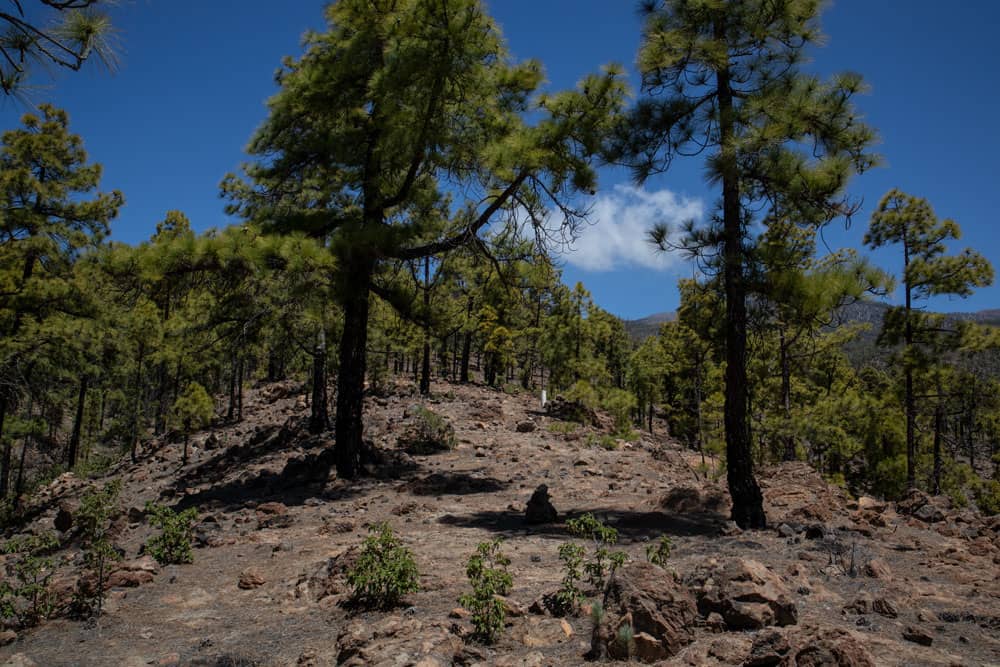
(658, 609)
(744, 592)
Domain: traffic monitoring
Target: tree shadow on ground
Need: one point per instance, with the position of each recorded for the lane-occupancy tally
(453, 484)
(302, 478)
(631, 525)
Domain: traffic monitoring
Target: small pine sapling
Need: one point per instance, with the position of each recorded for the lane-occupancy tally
(173, 545)
(487, 572)
(385, 571)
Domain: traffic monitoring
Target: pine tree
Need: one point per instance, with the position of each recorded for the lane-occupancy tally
(49, 213)
(722, 78)
(395, 104)
(79, 32)
(910, 222)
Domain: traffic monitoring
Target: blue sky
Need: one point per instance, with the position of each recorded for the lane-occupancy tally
(195, 75)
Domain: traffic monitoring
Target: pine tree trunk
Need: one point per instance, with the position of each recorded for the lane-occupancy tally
(74, 439)
(349, 428)
(319, 419)
(239, 390)
(909, 399)
(748, 502)
(463, 375)
(137, 397)
(5, 461)
(786, 395)
(938, 428)
(231, 412)
(25, 443)
(425, 362)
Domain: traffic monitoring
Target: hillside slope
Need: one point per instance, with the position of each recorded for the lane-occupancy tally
(857, 581)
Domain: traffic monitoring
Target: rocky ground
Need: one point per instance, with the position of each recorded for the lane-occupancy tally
(835, 581)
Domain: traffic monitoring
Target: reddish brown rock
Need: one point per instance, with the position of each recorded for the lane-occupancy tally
(652, 602)
(745, 593)
(251, 578)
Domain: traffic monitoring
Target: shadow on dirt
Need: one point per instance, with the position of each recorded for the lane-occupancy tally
(631, 526)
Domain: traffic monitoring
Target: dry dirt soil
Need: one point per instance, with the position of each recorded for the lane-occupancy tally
(870, 582)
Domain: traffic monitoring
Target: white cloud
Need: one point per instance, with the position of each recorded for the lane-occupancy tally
(620, 236)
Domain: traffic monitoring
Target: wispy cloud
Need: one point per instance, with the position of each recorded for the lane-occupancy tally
(620, 236)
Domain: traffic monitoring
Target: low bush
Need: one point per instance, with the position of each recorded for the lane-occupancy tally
(173, 545)
(385, 570)
(487, 572)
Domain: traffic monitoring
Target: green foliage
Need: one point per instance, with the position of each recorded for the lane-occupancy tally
(583, 393)
(603, 562)
(658, 552)
(385, 571)
(173, 545)
(988, 497)
(429, 432)
(563, 428)
(28, 599)
(569, 595)
(602, 440)
(487, 572)
(193, 409)
(623, 644)
(620, 404)
(94, 517)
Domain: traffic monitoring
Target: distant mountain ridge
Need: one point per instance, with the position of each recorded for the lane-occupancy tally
(868, 312)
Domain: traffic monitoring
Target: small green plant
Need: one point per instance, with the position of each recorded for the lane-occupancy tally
(487, 572)
(385, 570)
(429, 433)
(658, 552)
(28, 600)
(603, 562)
(94, 519)
(569, 595)
(623, 645)
(563, 428)
(604, 441)
(173, 545)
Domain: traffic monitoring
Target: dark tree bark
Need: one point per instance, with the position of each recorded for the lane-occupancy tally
(319, 419)
(5, 461)
(786, 394)
(938, 428)
(348, 426)
(231, 412)
(137, 398)
(74, 438)
(425, 365)
(748, 502)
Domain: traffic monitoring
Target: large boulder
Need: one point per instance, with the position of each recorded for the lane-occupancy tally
(744, 592)
(808, 647)
(660, 611)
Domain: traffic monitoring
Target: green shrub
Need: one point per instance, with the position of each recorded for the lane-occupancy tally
(604, 441)
(603, 562)
(988, 497)
(173, 545)
(28, 599)
(385, 570)
(620, 404)
(487, 572)
(583, 393)
(569, 595)
(658, 552)
(563, 428)
(428, 433)
(94, 519)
